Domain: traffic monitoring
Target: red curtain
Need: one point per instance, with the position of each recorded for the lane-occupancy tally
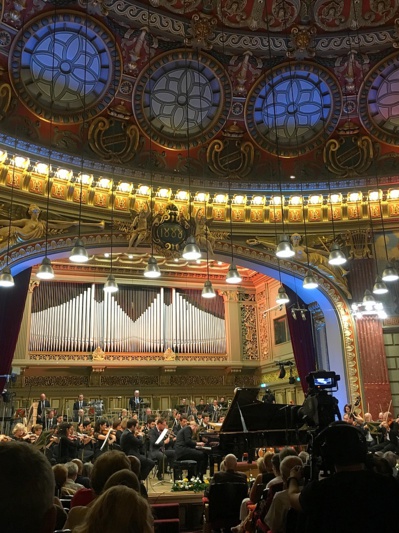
(302, 340)
(12, 304)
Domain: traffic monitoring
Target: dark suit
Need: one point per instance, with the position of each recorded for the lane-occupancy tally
(131, 445)
(135, 404)
(40, 408)
(226, 477)
(185, 450)
(76, 407)
(159, 452)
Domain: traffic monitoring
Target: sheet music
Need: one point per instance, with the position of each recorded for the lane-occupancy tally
(162, 436)
(106, 438)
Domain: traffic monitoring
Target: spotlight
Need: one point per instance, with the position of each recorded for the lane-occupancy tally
(293, 313)
(291, 380)
(282, 372)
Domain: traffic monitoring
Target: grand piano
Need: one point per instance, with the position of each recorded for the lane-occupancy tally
(251, 424)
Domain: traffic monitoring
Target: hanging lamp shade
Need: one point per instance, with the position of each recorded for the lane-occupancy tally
(337, 256)
(208, 291)
(390, 273)
(110, 285)
(379, 286)
(79, 253)
(284, 248)
(282, 296)
(191, 250)
(45, 270)
(6, 279)
(232, 275)
(309, 281)
(368, 297)
(152, 268)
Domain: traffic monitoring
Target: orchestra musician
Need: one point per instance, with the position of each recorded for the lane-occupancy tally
(202, 406)
(50, 421)
(162, 451)
(80, 404)
(20, 434)
(186, 448)
(132, 443)
(135, 402)
(176, 426)
(390, 432)
(101, 434)
(68, 444)
(41, 409)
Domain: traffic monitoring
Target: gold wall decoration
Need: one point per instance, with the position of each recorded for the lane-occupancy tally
(113, 140)
(127, 381)
(250, 350)
(301, 42)
(201, 30)
(348, 155)
(231, 156)
(56, 381)
(5, 99)
(359, 243)
(191, 381)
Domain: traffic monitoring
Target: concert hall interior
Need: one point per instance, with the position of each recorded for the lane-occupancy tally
(197, 197)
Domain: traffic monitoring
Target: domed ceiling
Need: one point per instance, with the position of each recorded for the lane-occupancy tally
(209, 91)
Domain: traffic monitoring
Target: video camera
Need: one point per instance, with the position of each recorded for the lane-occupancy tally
(319, 410)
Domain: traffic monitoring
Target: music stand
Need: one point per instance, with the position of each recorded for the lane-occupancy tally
(158, 441)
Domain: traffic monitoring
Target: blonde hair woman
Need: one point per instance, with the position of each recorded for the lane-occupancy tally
(118, 509)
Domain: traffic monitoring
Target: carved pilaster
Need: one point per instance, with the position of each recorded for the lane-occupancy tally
(233, 325)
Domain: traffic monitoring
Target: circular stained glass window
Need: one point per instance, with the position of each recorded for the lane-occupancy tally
(182, 100)
(293, 109)
(65, 67)
(379, 101)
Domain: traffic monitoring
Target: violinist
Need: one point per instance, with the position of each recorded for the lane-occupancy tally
(161, 451)
(131, 443)
(20, 434)
(68, 443)
(104, 438)
(389, 429)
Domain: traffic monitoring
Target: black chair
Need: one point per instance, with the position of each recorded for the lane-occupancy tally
(223, 509)
(179, 466)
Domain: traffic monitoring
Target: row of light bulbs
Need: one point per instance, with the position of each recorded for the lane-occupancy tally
(285, 250)
(79, 255)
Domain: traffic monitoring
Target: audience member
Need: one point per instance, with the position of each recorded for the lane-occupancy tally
(277, 514)
(325, 502)
(119, 509)
(28, 488)
(123, 477)
(70, 485)
(107, 464)
(80, 478)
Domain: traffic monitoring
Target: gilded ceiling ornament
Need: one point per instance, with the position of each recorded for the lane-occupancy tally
(350, 154)
(5, 99)
(302, 42)
(114, 139)
(359, 243)
(231, 156)
(201, 31)
(395, 44)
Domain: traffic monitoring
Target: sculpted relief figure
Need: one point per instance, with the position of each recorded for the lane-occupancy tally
(139, 228)
(32, 228)
(204, 237)
(316, 258)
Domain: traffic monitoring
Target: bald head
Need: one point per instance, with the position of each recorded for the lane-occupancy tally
(230, 462)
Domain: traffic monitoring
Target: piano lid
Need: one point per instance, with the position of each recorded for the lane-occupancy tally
(247, 413)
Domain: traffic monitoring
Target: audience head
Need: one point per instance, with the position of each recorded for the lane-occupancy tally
(87, 469)
(276, 464)
(79, 464)
(392, 458)
(135, 464)
(266, 463)
(286, 452)
(60, 475)
(118, 509)
(72, 469)
(107, 464)
(287, 464)
(222, 467)
(304, 456)
(123, 477)
(28, 483)
(230, 462)
(341, 444)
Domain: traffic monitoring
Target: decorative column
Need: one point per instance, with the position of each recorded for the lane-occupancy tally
(373, 362)
(233, 325)
(21, 349)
